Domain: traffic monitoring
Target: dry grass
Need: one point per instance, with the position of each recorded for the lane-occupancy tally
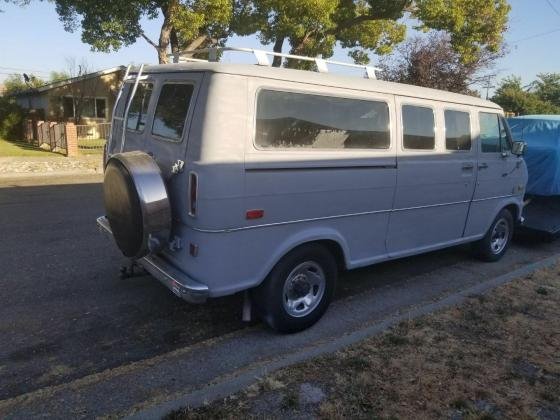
(495, 356)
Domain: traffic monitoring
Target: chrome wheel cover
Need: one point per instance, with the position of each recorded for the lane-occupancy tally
(304, 289)
(500, 236)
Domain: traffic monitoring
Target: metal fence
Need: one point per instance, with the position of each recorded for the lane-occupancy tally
(92, 137)
(47, 135)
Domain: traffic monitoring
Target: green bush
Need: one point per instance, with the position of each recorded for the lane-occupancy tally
(11, 119)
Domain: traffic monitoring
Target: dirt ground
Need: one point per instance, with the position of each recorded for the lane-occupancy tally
(495, 356)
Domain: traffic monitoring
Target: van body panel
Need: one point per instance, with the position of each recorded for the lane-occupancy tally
(375, 204)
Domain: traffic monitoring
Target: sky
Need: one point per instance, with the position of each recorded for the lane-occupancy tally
(33, 40)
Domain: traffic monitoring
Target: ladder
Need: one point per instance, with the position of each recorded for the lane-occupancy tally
(263, 60)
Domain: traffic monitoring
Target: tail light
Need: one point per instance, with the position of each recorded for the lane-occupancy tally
(193, 193)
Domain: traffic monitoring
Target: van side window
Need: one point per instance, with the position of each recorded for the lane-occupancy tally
(137, 114)
(490, 132)
(171, 111)
(418, 127)
(121, 104)
(296, 120)
(457, 130)
(505, 135)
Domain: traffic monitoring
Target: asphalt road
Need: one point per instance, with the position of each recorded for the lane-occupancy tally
(65, 313)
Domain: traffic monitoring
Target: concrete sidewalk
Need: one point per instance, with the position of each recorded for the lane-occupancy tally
(25, 166)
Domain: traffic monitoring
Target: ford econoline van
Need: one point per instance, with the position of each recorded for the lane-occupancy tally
(223, 178)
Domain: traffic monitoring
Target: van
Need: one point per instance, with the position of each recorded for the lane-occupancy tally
(222, 178)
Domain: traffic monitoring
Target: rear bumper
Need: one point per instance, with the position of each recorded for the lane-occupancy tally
(179, 283)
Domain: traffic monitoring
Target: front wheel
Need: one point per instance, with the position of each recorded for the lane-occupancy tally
(298, 290)
(496, 241)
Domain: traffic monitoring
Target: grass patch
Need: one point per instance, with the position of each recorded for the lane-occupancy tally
(491, 357)
(91, 146)
(16, 149)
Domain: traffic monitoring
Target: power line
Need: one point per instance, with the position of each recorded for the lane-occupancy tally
(536, 35)
(553, 7)
(25, 70)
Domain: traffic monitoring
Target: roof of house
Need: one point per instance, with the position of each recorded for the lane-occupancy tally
(324, 79)
(65, 82)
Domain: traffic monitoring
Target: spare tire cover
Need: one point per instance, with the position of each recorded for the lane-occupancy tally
(136, 203)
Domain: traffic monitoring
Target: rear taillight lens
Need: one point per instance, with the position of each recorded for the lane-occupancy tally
(193, 193)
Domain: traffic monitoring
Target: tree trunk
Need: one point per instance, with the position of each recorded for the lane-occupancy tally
(277, 61)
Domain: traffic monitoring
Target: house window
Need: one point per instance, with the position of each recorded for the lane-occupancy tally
(68, 107)
(100, 108)
(86, 107)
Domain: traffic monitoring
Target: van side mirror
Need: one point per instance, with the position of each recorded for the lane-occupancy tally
(518, 148)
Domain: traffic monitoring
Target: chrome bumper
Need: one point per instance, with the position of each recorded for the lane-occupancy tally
(179, 283)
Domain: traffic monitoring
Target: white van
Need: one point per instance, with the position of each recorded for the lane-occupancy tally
(223, 178)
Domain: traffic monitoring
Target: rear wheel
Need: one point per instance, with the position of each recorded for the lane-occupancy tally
(298, 290)
(496, 241)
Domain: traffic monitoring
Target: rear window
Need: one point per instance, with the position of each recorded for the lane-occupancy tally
(171, 111)
(457, 130)
(138, 112)
(287, 120)
(418, 127)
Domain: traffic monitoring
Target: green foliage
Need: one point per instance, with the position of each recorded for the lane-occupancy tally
(547, 87)
(15, 83)
(472, 24)
(513, 97)
(56, 76)
(363, 26)
(11, 119)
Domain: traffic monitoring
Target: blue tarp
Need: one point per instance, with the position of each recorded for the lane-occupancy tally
(542, 135)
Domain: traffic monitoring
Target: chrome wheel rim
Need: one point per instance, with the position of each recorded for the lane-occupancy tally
(500, 236)
(303, 289)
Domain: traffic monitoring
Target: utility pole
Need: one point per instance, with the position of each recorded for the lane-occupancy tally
(488, 85)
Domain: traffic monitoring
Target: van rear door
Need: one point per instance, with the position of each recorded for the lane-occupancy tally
(167, 132)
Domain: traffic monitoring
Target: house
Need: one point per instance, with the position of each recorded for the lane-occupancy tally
(85, 99)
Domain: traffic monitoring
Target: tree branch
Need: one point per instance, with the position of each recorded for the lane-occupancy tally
(148, 40)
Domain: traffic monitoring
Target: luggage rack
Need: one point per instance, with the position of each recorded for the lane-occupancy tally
(263, 60)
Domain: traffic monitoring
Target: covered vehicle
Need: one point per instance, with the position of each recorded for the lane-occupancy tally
(542, 156)
(542, 135)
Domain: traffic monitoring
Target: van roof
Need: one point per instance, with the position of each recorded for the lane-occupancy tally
(323, 79)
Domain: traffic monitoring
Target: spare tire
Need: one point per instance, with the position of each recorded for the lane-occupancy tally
(136, 203)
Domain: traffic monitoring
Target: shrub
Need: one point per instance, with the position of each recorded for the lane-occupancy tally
(11, 119)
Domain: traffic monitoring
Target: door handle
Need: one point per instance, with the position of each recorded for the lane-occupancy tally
(468, 165)
(482, 165)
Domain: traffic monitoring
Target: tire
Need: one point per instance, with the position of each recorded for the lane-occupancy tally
(309, 271)
(496, 241)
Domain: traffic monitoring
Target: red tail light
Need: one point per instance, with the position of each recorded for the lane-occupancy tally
(193, 193)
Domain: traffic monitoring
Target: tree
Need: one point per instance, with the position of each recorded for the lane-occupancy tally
(16, 83)
(57, 76)
(513, 97)
(547, 87)
(314, 27)
(110, 25)
(431, 61)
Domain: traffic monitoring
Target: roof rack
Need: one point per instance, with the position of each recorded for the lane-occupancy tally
(262, 59)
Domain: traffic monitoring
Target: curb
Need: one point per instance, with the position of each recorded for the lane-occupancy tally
(233, 384)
